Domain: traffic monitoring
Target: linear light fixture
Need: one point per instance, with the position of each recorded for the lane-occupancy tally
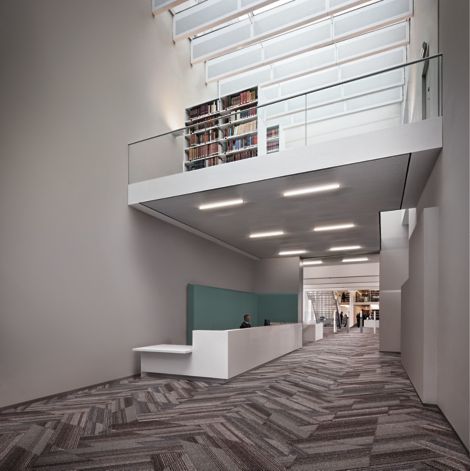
(258, 235)
(221, 204)
(352, 260)
(311, 262)
(312, 189)
(292, 252)
(335, 227)
(344, 248)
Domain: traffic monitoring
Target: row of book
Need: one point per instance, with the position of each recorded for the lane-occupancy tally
(244, 128)
(272, 146)
(203, 163)
(242, 155)
(242, 115)
(244, 97)
(202, 110)
(242, 142)
(201, 138)
(202, 151)
(209, 123)
(272, 132)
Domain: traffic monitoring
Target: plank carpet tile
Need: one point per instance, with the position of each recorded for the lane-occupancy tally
(337, 404)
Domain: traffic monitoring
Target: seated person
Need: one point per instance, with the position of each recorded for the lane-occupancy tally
(246, 321)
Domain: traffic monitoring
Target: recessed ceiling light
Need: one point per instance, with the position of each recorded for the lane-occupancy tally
(311, 262)
(312, 189)
(358, 259)
(292, 252)
(221, 204)
(344, 248)
(257, 235)
(335, 227)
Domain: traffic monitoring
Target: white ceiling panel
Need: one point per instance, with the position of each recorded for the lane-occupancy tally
(366, 189)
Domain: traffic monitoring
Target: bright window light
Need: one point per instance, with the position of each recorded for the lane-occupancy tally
(352, 260)
(271, 6)
(292, 252)
(221, 204)
(312, 189)
(258, 235)
(335, 227)
(311, 262)
(345, 248)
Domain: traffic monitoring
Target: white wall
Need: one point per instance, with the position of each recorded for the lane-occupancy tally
(83, 278)
(278, 275)
(393, 273)
(343, 276)
(448, 190)
(419, 314)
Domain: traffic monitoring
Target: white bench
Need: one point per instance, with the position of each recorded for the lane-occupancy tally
(166, 348)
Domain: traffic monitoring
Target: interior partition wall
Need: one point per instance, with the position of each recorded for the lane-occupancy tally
(211, 308)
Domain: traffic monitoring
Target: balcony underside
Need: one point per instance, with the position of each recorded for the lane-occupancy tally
(378, 171)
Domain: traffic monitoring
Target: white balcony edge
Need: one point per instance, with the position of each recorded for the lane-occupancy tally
(403, 139)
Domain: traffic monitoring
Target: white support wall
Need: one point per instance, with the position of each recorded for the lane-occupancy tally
(420, 299)
(393, 273)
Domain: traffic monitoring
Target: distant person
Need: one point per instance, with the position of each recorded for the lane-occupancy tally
(341, 316)
(358, 320)
(346, 320)
(246, 321)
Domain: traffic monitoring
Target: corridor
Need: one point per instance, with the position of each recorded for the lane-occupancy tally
(333, 405)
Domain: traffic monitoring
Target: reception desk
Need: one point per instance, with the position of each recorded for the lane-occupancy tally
(222, 353)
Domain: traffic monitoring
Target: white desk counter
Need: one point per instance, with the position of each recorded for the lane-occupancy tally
(222, 353)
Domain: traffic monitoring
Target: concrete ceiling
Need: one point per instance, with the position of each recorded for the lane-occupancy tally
(366, 189)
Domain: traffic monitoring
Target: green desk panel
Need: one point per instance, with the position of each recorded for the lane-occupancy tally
(210, 308)
(218, 309)
(278, 307)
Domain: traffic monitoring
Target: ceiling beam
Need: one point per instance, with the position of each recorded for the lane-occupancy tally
(211, 13)
(160, 6)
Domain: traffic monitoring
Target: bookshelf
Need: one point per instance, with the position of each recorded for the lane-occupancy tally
(272, 139)
(222, 130)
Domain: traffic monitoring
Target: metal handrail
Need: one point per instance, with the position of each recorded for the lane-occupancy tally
(315, 90)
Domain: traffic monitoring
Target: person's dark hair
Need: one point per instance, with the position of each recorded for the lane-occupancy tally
(245, 317)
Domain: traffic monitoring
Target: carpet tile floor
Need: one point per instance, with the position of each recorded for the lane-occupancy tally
(337, 404)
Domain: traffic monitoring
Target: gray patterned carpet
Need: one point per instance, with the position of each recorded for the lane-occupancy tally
(334, 405)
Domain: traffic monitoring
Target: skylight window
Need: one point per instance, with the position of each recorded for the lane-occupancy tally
(276, 4)
(185, 6)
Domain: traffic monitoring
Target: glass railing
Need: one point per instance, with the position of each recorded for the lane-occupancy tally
(401, 94)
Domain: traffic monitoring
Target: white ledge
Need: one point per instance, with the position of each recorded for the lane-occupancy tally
(166, 348)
